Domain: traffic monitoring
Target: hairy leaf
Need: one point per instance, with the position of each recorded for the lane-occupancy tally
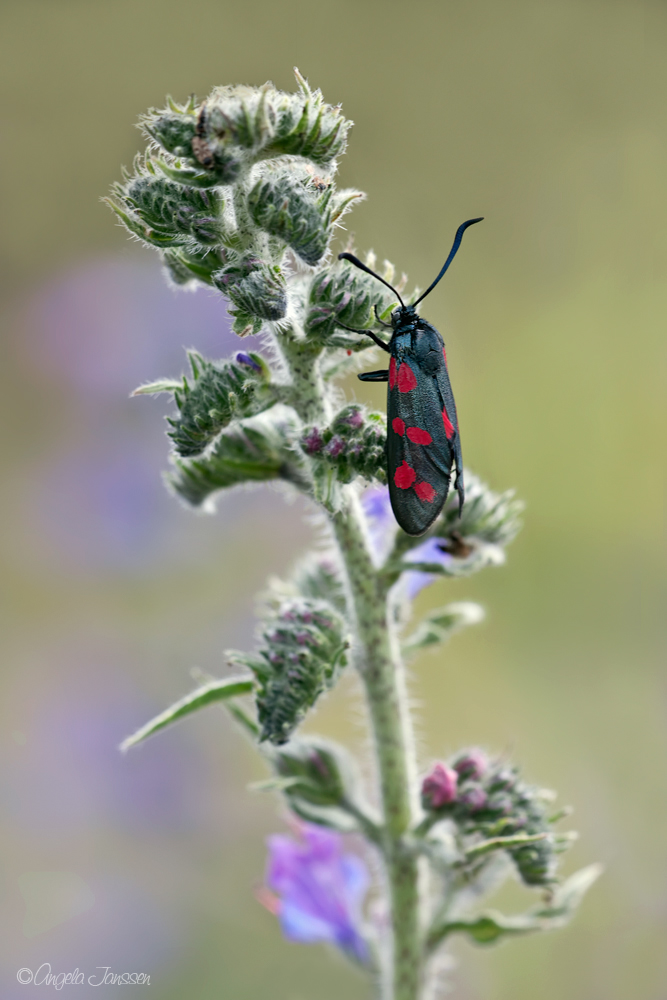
(205, 695)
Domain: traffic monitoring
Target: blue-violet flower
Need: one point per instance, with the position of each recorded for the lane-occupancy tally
(320, 889)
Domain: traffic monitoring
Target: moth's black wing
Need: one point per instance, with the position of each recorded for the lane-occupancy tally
(422, 433)
(451, 423)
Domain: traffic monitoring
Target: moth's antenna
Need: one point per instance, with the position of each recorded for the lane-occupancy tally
(452, 254)
(357, 263)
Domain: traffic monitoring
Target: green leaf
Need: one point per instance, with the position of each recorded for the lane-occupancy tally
(568, 896)
(205, 695)
(442, 623)
(489, 927)
(187, 265)
(502, 844)
(161, 385)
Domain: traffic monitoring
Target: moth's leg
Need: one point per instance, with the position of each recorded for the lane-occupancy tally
(367, 333)
(379, 376)
(387, 326)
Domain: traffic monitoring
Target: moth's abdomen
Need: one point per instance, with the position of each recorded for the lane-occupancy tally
(419, 452)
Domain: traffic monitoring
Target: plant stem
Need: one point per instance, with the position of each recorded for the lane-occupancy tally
(383, 676)
(382, 673)
(308, 393)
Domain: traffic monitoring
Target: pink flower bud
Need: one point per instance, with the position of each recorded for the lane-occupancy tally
(474, 798)
(439, 787)
(312, 441)
(335, 446)
(472, 764)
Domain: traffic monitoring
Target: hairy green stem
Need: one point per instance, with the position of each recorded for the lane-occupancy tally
(383, 676)
(382, 673)
(308, 395)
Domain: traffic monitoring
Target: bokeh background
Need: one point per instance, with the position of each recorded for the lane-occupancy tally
(546, 116)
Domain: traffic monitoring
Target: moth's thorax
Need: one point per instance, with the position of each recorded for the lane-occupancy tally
(413, 336)
(404, 319)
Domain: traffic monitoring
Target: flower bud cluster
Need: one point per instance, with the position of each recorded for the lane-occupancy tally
(165, 213)
(218, 392)
(345, 295)
(486, 799)
(227, 186)
(299, 208)
(318, 576)
(321, 772)
(269, 122)
(173, 128)
(256, 289)
(353, 444)
(302, 652)
(252, 450)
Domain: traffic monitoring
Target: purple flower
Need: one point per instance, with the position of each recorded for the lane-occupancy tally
(381, 530)
(429, 551)
(320, 889)
(439, 787)
(242, 358)
(379, 520)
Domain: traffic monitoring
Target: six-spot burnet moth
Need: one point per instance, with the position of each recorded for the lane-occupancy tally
(422, 429)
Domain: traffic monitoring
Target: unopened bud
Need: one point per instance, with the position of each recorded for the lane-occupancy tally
(472, 764)
(312, 441)
(242, 358)
(473, 798)
(439, 787)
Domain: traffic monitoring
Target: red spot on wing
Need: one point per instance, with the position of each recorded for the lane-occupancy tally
(444, 354)
(419, 436)
(425, 492)
(407, 380)
(398, 426)
(404, 476)
(392, 373)
(449, 427)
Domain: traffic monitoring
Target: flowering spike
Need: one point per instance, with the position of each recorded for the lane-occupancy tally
(206, 405)
(256, 449)
(302, 652)
(353, 444)
(288, 207)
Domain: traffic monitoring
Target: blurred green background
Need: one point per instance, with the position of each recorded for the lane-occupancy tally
(546, 117)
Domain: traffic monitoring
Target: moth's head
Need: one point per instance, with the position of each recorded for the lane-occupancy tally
(403, 316)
